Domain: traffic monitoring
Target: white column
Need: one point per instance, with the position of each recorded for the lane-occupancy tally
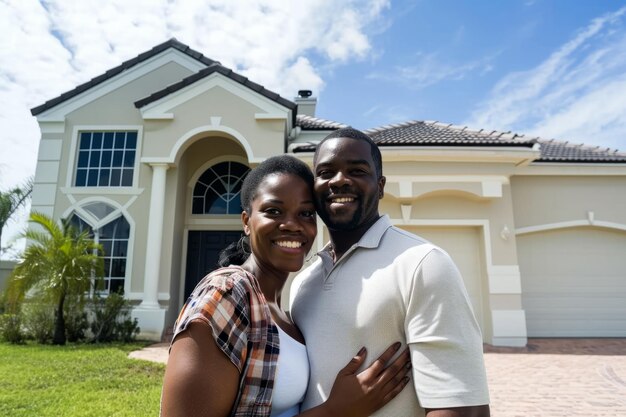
(155, 236)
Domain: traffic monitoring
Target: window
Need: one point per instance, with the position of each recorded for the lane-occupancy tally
(113, 236)
(218, 190)
(106, 159)
(114, 239)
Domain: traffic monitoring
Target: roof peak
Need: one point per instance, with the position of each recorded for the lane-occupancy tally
(170, 43)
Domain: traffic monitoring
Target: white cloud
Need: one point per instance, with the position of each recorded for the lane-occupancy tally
(431, 69)
(49, 47)
(576, 94)
(386, 115)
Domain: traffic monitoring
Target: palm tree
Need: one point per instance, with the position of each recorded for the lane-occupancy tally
(11, 201)
(58, 261)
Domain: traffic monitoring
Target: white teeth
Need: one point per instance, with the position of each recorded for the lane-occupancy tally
(289, 244)
(343, 200)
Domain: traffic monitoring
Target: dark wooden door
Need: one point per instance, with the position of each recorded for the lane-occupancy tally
(203, 248)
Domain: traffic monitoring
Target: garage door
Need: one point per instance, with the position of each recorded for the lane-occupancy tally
(574, 282)
(463, 245)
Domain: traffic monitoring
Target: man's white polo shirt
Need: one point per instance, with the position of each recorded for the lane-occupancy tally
(392, 286)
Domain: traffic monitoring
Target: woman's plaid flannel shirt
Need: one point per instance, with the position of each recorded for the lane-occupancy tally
(230, 301)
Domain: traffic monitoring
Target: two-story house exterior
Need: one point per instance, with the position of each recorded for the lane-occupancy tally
(150, 156)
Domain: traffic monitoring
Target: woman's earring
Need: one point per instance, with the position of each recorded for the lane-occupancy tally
(244, 244)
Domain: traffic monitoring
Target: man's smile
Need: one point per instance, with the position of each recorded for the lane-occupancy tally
(342, 199)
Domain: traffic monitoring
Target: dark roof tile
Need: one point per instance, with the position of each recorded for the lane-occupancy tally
(429, 133)
(417, 133)
(313, 123)
(563, 151)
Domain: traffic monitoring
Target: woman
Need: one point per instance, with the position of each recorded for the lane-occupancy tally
(235, 352)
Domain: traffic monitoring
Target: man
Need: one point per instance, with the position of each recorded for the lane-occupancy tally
(375, 284)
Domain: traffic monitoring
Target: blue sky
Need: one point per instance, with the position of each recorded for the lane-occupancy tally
(555, 69)
(454, 61)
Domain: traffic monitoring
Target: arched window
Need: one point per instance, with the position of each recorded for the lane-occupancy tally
(113, 234)
(218, 189)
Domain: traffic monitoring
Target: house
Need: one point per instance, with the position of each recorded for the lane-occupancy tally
(149, 156)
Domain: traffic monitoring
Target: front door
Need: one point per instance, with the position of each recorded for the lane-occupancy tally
(203, 248)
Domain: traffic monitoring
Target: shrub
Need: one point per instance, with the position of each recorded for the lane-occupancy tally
(11, 328)
(112, 321)
(38, 318)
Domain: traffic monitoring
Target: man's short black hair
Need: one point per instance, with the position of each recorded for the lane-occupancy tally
(352, 133)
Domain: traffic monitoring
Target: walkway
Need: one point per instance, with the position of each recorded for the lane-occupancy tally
(547, 378)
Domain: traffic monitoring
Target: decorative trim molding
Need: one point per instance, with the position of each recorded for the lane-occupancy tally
(120, 210)
(270, 116)
(68, 191)
(182, 143)
(167, 103)
(589, 221)
(490, 186)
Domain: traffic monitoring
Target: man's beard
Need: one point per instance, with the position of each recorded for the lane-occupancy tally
(349, 224)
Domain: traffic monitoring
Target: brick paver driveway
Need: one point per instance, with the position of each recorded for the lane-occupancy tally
(557, 378)
(548, 378)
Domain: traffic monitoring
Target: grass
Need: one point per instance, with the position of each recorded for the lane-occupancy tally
(77, 380)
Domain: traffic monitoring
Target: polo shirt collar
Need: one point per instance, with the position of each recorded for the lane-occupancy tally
(371, 238)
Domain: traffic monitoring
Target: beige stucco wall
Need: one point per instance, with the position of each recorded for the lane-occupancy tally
(160, 138)
(455, 194)
(111, 111)
(541, 200)
(264, 137)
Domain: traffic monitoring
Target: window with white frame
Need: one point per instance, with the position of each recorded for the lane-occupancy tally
(218, 190)
(106, 159)
(113, 235)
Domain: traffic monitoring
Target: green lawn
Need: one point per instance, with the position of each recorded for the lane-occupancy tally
(77, 380)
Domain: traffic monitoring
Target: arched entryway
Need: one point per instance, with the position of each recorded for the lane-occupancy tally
(216, 195)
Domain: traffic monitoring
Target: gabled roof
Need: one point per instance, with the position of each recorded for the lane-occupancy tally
(420, 133)
(211, 69)
(172, 43)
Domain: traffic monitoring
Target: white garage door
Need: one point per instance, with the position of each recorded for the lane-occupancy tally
(574, 282)
(463, 245)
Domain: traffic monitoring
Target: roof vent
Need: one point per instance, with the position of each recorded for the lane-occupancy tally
(305, 93)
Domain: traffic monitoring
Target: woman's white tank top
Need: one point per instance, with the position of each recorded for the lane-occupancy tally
(292, 377)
